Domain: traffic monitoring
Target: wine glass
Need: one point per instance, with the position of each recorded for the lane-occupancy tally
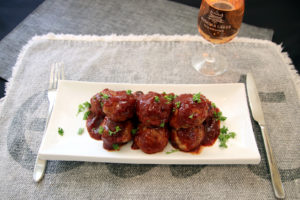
(218, 22)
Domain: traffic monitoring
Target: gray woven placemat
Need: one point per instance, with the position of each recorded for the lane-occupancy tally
(144, 59)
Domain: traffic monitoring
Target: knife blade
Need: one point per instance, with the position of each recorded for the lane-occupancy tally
(258, 116)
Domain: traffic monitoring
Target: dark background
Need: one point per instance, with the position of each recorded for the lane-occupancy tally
(280, 15)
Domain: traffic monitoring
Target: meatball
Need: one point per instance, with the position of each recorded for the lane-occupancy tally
(119, 106)
(151, 140)
(92, 123)
(187, 139)
(96, 107)
(189, 110)
(153, 109)
(138, 94)
(115, 133)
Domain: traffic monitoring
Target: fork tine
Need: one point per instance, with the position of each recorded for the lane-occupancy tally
(51, 76)
(62, 71)
(56, 74)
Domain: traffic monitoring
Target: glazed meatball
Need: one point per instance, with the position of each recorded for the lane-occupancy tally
(138, 94)
(189, 110)
(96, 107)
(151, 140)
(187, 139)
(153, 109)
(119, 106)
(115, 133)
(92, 123)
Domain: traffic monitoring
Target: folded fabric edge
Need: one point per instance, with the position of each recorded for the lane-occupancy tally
(155, 37)
(136, 38)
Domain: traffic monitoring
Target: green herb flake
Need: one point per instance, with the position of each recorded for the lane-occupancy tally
(164, 93)
(169, 98)
(128, 92)
(223, 118)
(60, 131)
(175, 96)
(86, 114)
(115, 146)
(87, 104)
(82, 107)
(213, 105)
(101, 129)
(101, 104)
(174, 109)
(162, 125)
(105, 96)
(133, 131)
(117, 129)
(225, 136)
(172, 151)
(224, 130)
(219, 116)
(196, 97)
(191, 116)
(178, 103)
(156, 99)
(80, 131)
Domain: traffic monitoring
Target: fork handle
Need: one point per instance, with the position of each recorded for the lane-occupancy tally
(39, 169)
(275, 176)
(40, 165)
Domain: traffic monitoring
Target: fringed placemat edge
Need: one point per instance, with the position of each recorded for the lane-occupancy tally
(155, 37)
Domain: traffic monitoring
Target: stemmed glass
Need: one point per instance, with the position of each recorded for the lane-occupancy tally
(218, 22)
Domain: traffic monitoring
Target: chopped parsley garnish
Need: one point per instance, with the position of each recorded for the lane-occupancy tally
(105, 96)
(213, 105)
(87, 104)
(177, 104)
(60, 131)
(162, 125)
(174, 109)
(83, 107)
(86, 114)
(156, 99)
(133, 131)
(80, 131)
(191, 116)
(225, 136)
(175, 96)
(117, 129)
(169, 98)
(196, 97)
(219, 116)
(115, 147)
(101, 129)
(101, 104)
(128, 92)
(223, 130)
(172, 151)
(164, 93)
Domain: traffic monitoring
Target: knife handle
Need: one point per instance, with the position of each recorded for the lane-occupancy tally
(275, 176)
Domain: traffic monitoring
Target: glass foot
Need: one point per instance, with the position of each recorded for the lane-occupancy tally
(209, 65)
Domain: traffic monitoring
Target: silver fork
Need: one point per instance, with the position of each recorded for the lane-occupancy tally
(57, 73)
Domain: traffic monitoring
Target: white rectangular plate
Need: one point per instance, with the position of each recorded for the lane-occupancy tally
(230, 98)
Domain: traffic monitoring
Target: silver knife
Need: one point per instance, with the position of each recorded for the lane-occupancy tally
(258, 116)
